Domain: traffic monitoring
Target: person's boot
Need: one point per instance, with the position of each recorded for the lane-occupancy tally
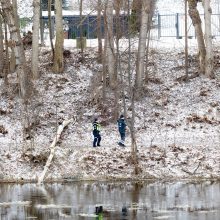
(121, 144)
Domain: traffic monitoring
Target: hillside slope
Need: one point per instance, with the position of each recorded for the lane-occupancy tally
(177, 124)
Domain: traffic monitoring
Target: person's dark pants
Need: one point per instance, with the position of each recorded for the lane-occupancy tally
(97, 139)
(122, 134)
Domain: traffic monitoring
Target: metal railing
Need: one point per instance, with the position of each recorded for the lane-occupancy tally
(164, 25)
(173, 25)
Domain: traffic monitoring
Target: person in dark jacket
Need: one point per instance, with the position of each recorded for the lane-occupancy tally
(122, 129)
(96, 133)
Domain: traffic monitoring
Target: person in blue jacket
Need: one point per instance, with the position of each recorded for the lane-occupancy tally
(96, 133)
(122, 129)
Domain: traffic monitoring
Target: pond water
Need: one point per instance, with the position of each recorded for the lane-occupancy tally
(111, 200)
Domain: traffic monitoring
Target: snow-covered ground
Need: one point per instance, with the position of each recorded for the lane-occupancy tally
(177, 123)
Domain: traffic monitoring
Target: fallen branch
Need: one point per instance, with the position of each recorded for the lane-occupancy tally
(197, 168)
(192, 173)
(52, 147)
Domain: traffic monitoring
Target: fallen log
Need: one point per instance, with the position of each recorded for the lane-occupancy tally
(52, 148)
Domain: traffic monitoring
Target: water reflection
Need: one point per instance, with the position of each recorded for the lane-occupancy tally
(111, 201)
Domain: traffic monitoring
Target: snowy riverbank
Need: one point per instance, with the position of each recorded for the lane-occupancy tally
(177, 124)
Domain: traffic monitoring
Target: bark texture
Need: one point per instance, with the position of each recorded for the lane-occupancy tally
(147, 7)
(1, 48)
(194, 14)
(109, 41)
(50, 28)
(11, 18)
(12, 61)
(208, 39)
(99, 31)
(58, 64)
(6, 54)
(81, 29)
(35, 39)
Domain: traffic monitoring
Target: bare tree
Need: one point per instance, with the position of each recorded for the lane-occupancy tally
(6, 54)
(104, 61)
(22, 70)
(196, 20)
(50, 28)
(81, 30)
(186, 43)
(1, 48)
(58, 64)
(146, 17)
(132, 94)
(35, 39)
(12, 63)
(99, 29)
(109, 41)
(208, 39)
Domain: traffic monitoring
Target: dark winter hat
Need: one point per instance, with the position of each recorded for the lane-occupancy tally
(121, 116)
(96, 119)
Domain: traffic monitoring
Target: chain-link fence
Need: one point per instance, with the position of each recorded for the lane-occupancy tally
(173, 25)
(164, 25)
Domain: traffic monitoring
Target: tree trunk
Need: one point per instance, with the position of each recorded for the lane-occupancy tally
(186, 43)
(132, 98)
(11, 18)
(50, 29)
(109, 41)
(12, 61)
(104, 71)
(129, 46)
(104, 60)
(35, 39)
(132, 130)
(81, 30)
(194, 15)
(1, 48)
(58, 65)
(12, 58)
(117, 7)
(41, 27)
(208, 39)
(145, 15)
(6, 58)
(147, 57)
(99, 31)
